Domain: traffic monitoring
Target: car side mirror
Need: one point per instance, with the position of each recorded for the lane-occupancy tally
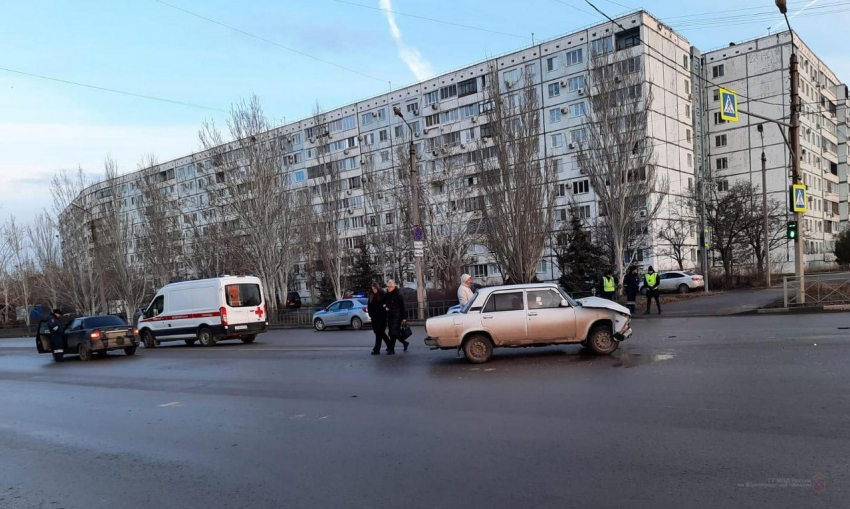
(565, 303)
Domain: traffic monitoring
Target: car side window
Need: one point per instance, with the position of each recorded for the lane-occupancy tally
(76, 324)
(156, 307)
(504, 302)
(346, 305)
(44, 327)
(543, 299)
(334, 306)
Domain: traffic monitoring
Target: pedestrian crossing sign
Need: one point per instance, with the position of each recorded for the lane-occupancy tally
(799, 203)
(728, 105)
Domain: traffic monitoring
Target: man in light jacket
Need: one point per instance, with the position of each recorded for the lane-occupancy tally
(464, 292)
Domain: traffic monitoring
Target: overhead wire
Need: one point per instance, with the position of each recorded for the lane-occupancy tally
(268, 41)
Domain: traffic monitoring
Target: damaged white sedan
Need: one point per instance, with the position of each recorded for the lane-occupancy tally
(529, 315)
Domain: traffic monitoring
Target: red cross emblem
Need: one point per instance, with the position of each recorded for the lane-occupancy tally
(259, 312)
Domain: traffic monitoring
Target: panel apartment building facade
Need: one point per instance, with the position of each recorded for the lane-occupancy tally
(446, 112)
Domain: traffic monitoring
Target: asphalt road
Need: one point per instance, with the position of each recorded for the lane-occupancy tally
(733, 412)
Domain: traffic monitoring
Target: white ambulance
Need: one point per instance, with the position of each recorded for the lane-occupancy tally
(207, 311)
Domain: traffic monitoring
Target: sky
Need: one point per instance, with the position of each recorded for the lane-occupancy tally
(290, 53)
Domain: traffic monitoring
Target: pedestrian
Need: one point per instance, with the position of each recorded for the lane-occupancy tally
(379, 317)
(396, 313)
(57, 330)
(650, 280)
(464, 292)
(609, 285)
(631, 283)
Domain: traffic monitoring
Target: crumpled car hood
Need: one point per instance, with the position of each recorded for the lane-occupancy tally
(600, 303)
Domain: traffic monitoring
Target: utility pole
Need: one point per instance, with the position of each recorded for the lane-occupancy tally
(702, 237)
(764, 208)
(414, 181)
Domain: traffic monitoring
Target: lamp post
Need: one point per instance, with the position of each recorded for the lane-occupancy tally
(794, 134)
(414, 181)
(764, 209)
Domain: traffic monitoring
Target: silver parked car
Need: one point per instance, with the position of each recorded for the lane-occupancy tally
(676, 281)
(529, 315)
(343, 313)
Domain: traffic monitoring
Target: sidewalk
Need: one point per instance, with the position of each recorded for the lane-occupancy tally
(725, 304)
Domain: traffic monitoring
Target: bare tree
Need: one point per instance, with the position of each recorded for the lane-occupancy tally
(615, 150)
(256, 198)
(324, 214)
(677, 231)
(47, 255)
(385, 198)
(754, 232)
(728, 215)
(516, 179)
(5, 278)
(17, 239)
(158, 238)
(115, 226)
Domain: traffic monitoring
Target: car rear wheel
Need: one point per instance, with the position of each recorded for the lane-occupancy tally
(130, 350)
(190, 342)
(602, 340)
(356, 323)
(319, 324)
(683, 288)
(85, 353)
(478, 349)
(148, 339)
(205, 337)
(249, 339)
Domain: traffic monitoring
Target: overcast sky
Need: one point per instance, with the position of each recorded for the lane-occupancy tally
(330, 51)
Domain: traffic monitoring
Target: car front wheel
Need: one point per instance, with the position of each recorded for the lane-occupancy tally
(356, 323)
(148, 339)
(683, 288)
(478, 349)
(602, 340)
(319, 324)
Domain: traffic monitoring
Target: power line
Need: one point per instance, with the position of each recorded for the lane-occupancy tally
(443, 22)
(574, 7)
(268, 41)
(113, 90)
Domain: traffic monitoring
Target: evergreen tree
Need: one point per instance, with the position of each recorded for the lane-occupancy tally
(580, 260)
(842, 248)
(363, 273)
(325, 289)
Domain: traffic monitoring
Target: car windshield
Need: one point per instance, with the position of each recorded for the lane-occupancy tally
(574, 303)
(103, 321)
(468, 305)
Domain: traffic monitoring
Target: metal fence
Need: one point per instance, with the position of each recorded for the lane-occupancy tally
(817, 290)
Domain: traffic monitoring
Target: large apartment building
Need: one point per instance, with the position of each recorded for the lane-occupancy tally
(447, 112)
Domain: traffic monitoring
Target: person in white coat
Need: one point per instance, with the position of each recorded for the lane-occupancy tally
(464, 293)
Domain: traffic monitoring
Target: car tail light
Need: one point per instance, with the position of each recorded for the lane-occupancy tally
(365, 310)
(95, 335)
(223, 311)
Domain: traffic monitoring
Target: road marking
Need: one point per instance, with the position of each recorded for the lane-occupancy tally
(173, 403)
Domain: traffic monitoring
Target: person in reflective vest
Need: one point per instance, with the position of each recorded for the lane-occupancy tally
(650, 280)
(609, 286)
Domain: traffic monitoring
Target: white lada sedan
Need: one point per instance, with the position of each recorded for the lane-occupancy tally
(529, 315)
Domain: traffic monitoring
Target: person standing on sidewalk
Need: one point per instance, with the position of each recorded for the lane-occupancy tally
(396, 316)
(631, 283)
(650, 279)
(609, 285)
(464, 292)
(379, 317)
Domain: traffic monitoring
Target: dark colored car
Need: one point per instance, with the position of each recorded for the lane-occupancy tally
(293, 300)
(89, 334)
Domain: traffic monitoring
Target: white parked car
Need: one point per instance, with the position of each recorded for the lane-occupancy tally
(676, 281)
(529, 315)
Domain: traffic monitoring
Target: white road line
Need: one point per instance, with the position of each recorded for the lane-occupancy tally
(173, 403)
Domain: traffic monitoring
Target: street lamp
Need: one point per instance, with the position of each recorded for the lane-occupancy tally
(764, 207)
(414, 181)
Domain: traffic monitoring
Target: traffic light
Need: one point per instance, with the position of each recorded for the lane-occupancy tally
(791, 232)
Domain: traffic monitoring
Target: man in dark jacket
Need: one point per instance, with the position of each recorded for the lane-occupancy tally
(57, 329)
(396, 316)
(650, 279)
(631, 283)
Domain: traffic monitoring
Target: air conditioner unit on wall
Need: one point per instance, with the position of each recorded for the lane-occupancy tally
(565, 110)
(581, 91)
(435, 106)
(572, 145)
(474, 120)
(508, 84)
(346, 151)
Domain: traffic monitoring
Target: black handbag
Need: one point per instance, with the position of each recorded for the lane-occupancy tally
(406, 332)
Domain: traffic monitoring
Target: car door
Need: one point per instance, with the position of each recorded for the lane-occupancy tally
(154, 316)
(547, 320)
(670, 281)
(346, 311)
(331, 315)
(42, 342)
(73, 333)
(504, 317)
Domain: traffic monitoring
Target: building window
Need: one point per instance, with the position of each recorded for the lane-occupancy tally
(722, 163)
(720, 141)
(716, 95)
(717, 119)
(581, 186)
(552, 64)
(554, 89)
(688, 135)
(554, 115)
(468, 87)
(601, 46)
(529, 71)
(578, 136)
(560, 214)
(299, 176)
(583, 212)
(432, 97)
(558, 166)
(413, 108)
(574, 57)
(560, 190)
(449, 116)
(718, 71)
(449, 91)
(690, 160)
(687, 87)
(685, 61)
(577, 110)
(366, 118)
(382, 136)
(557, 140)
(687, 111)
(575, 83)
(385, 156)
(479, 270)
(722, 185)
(435, 119)
(388, 219)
